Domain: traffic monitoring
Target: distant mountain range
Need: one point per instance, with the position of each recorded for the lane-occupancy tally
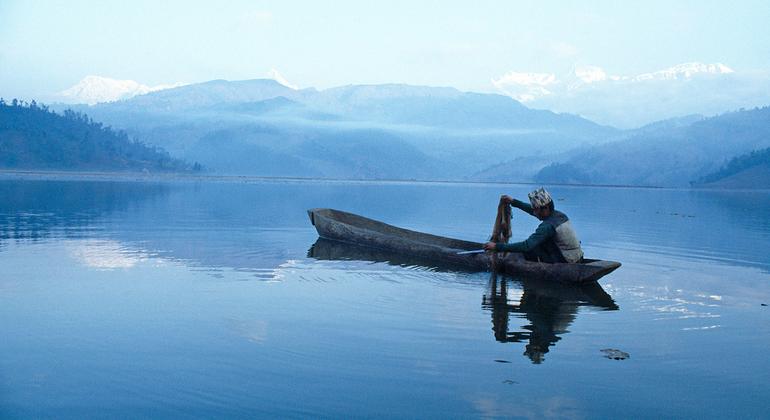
(671, 153)
(635, 100)
(92, 89)
(530, 86)
(96, 89)
(623, 101)
(265, 128)
(261, 127)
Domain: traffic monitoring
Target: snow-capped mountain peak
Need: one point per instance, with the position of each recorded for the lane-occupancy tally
(685, 71)
(95, 89)
(632, 100)
(525, 87)
(590, 74)
(278, 77)
(528, 87)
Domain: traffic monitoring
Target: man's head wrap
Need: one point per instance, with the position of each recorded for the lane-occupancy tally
(540, 198)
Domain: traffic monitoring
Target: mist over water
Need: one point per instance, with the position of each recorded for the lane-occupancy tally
(217, 299)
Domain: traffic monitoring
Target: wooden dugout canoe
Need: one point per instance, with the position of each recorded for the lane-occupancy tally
(357, 230)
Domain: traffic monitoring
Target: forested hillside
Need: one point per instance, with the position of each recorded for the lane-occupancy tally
(34, 137)
(751, 170)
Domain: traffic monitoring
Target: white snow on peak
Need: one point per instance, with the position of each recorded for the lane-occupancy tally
(528, 87)
(685, 71)
(96, 89)
(273, 74)
(590, 74)
(525, 87)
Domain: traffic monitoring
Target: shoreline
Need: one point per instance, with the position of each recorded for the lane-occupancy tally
(106, 176)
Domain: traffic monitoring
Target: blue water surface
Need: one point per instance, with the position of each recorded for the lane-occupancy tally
(208, 299)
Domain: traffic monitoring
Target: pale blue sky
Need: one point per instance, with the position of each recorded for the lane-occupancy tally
(47, 46)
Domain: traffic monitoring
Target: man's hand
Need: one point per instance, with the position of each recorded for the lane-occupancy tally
(490, 246)
(507, 199)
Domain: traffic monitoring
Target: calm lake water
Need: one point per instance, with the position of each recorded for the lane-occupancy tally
(185, 299)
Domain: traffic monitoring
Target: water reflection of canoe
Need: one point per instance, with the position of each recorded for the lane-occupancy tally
(347, 227)
(549, 307)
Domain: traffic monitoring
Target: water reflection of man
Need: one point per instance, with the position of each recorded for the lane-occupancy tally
(549, 317)
(554, 239)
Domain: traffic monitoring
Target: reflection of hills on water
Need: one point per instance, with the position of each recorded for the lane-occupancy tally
(211, 226)
(550, 308)
(32, 210)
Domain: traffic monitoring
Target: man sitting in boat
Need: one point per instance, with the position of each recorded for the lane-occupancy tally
(553, 241)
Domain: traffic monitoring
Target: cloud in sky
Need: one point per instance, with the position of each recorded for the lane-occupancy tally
(259, 17)
(564, 49)
(458, 44)
(262, 16)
